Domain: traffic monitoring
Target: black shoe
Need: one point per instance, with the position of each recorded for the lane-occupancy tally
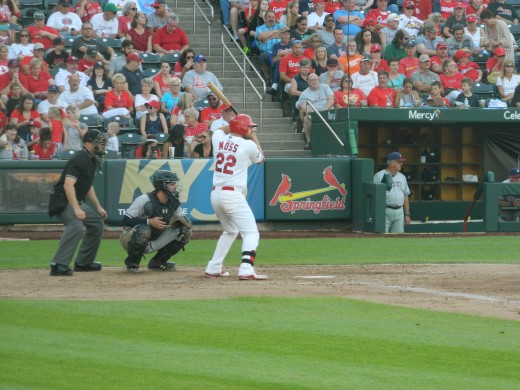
(168, 266)
(94, 266)
(132, 269)
(307, 146)
(60, 270)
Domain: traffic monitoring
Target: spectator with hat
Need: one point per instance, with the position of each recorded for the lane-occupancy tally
(33, 137)
(409, 64)
(86, 64)
(53, 92)
(57, 56)
(40, 33)
(63, 75)
(22, 47)
(496, 34)
(397, 202)
(86, 40)
(227, 115)
(86, 9)
(196, 81)
(348, 18)
(327, 34)
(157, 19)
(466, 67)
(510, 201)
(78, 95)
(408, 22)
(503, 11)
(213, 111)
(375, 57)
(38, 53)
(459, 41)
(387, 33)
(10, 78)
(332, 77)
(66, 23)
(365, 79)
(316, 19)
(424, 77)
(427, 43)
(106, 25)
(473, 31)
(153, 121)
(170, 38)
(132, 73)
(99, 83)
(495, 64)
(441, 54)
(290, 64)
(457, 19)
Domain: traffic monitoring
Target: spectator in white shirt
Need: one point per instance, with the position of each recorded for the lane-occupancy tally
(106, 25)
(67, 23)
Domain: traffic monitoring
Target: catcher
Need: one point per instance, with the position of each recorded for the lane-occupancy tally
(154, 223)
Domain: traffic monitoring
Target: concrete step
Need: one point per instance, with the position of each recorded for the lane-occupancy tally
(287, 153)
(283, 145)
(269, 137)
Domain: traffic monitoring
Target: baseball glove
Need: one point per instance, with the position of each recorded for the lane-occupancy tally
(178, 221)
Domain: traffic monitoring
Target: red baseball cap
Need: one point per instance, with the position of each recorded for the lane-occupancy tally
(72, 59)
(153, 103)
(408, 4)
(441, 44)
(471, 18)
(500, 51)
(369, 22)
(459, 4)
(36, 123)
(461, 54)
(133, 57)
(375, 47)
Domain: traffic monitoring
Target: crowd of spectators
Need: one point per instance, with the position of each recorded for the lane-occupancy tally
(80, 62)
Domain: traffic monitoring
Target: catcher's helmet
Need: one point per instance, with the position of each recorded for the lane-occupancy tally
(240, 124)
(161, 178)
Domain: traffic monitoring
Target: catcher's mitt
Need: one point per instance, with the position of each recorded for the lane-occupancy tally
(178, 221)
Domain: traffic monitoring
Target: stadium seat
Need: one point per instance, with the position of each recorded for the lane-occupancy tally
(111, 155)
(54, 71)
(50, 4)
(94, 121)
(30, 4)
(201, 104)
(66, 154)
(161, 138)
(171, 58)
(150, 72)
(126, 125)
(150, 60)
(27, 16)
(484, 91)
(128, 143)
(113, 43)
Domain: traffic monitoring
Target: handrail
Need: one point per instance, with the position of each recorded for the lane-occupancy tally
(323, 120)
(208, 21)
(243, 69)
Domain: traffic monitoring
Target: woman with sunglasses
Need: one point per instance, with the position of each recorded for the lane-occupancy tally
(139, 34)
(129, 11)
(23, 46)
(185, 63)
(205, 148)
(508, 81)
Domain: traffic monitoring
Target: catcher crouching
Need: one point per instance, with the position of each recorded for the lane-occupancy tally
(154, 222)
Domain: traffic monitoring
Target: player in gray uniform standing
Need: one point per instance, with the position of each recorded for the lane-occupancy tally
(155, 222)
(397, 204)
(235, 148)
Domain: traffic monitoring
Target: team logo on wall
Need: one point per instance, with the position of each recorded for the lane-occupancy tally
(290, 201)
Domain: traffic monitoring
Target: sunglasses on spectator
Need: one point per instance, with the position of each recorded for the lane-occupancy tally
(212, 99)
(409, 8)
(24, 36)
(133, 9)
(190, 57)
(406, 39)
(510, 66)
(203, 137)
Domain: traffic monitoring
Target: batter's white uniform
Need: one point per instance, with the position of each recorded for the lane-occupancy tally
(233, 155)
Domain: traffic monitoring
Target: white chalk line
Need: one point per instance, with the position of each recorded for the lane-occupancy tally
(430, 291)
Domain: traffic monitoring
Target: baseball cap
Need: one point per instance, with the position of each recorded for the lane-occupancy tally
(461, 54)
(408, 4)
(53, 88)
(365, 59)
(284, 29)
(424, 58)
(58, 41)
(157, 3)
(199, 57)
(393, 17)
(332, 61)
(152, 103)
(441, 44)
(35, 123)
(92, 52)
(395, 156)
(133, 57)
(38, 46)
(13, 63)
(296, 41)
(459, 4)
(211, 93)
(500, 51)
(98, 65)
(471, 18)
(39, 15)
(514, 172)
(63, 2)
(72, 59)
(411, 43)
(317, 1)
(369, 22)
(375, 47)
(110, 7)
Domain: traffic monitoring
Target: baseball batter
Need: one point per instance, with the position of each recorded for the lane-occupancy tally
(235, 148)
(397, 204)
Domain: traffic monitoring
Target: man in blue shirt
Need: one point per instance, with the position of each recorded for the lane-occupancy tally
(348, 19)
(267, 35)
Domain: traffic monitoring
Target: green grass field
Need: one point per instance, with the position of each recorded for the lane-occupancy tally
(263, 343)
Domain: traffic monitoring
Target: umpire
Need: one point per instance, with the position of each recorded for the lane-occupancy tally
(397, 204)
(155, 222)
(68, 204)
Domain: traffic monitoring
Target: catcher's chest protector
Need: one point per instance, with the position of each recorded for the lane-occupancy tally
(158, 209)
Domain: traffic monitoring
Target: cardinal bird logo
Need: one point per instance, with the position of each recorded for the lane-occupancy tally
(331, 180)
(283, 189)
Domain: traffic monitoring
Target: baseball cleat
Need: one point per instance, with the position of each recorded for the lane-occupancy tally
(132, 269)
(94, 266)
(254, 276)
(168, 266)
(60, 270)
(221, 274)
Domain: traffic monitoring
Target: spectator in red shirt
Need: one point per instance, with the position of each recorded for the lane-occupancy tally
(279, 7)
(129, 11)
(375, 56)
(441, 55)
(194, 128)
(12, 76)
(86, 9)
(45, 148)
(213, 112)
(86, 64)
(290, 64)
(382, 95)
(467, 68)
(40, 33)
(332, 6)
(139, 34)
(451, 80)
(118, 99)
(24, 114)
(37, 81)
(379, 14)
(410, 64)
(170, 38)
(348, 96)
(38, 52)
(494, 65)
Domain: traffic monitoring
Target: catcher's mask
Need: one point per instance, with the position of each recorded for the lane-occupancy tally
(241, 124)
(161, 179)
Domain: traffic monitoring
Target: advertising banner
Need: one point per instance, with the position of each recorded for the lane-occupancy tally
(308, 189)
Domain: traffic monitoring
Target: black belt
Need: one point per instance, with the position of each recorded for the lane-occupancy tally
(394, 207)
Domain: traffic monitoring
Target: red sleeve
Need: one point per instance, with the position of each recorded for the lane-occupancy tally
(23, 79)
(138, 152)
(373, 98)
(109, 99)
(129, 100)
(338, 98)
(283, 64)
(204, 115)
(157, 37)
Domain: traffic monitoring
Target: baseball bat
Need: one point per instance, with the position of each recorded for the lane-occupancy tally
(221, 96)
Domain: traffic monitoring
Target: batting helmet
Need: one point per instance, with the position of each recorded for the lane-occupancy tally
(161, 178)
(240, 124)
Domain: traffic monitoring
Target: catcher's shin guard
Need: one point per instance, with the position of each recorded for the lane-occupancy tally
(163, 255)
(137, 245)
